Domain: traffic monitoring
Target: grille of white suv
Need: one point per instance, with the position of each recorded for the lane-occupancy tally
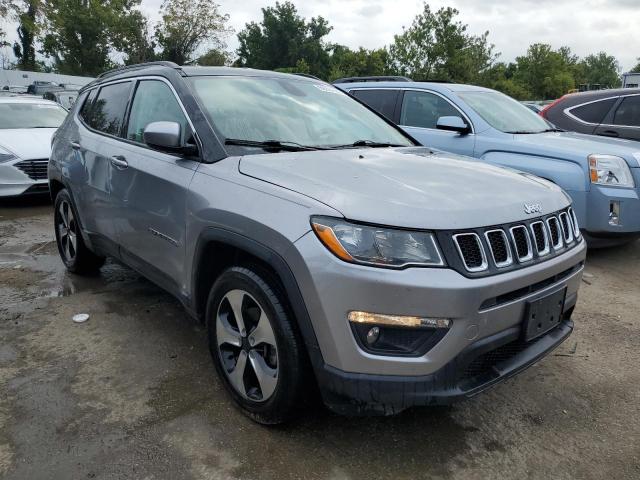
(36, 169)
(500, 248)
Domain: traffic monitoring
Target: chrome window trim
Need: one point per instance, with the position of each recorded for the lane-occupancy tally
(567, 238)
(529, 255)
(509, 260)
(423, 90)
(485, 265)
(560, 243)
(567, 112)
(547, 241)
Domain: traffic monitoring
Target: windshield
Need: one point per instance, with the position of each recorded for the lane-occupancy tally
(31, 115)
(300, 112)
(504, 113)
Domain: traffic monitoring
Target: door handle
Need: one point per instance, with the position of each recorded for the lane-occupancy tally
(75, 145)
(609, 133)
(119, 162)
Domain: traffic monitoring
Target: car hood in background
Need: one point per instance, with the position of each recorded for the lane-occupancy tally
(407, 187)
(578, 146)
(27, 143)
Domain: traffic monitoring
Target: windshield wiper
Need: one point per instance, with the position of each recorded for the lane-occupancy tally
(553, 130)
(271, 144)
(523, 132)
(369, 143)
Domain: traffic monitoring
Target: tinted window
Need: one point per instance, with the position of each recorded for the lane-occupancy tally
(289, 109)
(107, 112)
(382, 101)
(628, 113)
(422, 109)
(31, 115)
(593, 112)
(86, 106)
(154, 102)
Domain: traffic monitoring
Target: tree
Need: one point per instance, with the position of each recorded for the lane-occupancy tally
(139, 46)
(81, 35)
(357, 63)
(601, 69)
(283, 39)
(636, 69)
(436, 46)
(214, 58)
(545, 72)
(27, 13)
(186, 25)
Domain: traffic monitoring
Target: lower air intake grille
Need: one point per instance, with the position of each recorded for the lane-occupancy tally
(36, 169)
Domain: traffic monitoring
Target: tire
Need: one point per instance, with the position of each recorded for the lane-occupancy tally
(74, 253)
(272, 385)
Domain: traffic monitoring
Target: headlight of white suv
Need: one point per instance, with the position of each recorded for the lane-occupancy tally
(6, 156)
(379, 246)
(609, 170)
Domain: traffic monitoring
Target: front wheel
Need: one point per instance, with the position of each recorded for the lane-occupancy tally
(74, 253)
(255, 347)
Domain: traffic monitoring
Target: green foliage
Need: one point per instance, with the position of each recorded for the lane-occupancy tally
(138, 46)
(282, 39)
(81, 35)
(636, 69)
(357, 63)
(601, 69)
(27, 13)
(188, 24)
(546, 73)
(214, 58)
(436, 46)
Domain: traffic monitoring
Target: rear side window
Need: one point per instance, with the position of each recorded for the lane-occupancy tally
(154, 102)
(628, 113)
(423, 109)
(593, 112)
(85, 111)
(382, 101)
(107, 112)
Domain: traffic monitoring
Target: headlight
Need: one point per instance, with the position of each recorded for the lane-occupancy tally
(609, 170)
(6, 156)
(380, 246)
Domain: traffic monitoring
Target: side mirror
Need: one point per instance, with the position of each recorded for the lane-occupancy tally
(453, 124)
(166, 137)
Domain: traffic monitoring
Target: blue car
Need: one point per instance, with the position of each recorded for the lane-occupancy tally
(601, 175)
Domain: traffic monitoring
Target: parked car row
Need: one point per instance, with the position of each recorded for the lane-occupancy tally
(601, 175)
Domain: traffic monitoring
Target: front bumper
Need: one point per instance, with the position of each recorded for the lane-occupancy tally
(14, 182)
(483, 311)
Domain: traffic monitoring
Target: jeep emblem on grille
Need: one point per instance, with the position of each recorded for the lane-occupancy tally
(530, 208)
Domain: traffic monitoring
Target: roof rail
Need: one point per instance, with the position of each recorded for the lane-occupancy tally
(308, 75)
(381, 78)
(137, 66)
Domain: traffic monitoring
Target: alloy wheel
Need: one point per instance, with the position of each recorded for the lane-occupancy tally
(67, 231)
(247, 346)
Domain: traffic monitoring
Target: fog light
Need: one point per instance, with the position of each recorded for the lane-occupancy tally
(372, 335)
(398, 320)
(614, 213)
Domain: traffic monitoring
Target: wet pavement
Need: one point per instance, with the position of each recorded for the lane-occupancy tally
(132, 392)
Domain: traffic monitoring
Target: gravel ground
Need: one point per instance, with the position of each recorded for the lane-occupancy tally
(132, 393)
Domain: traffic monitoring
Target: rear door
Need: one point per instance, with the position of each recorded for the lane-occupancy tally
(419, 114)
(152, 186)
(624, 121)
(587, 117)
(98, 142)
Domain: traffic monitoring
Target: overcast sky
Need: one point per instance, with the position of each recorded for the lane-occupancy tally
(587, 26)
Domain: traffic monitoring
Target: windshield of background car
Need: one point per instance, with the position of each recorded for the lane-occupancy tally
(288, 110)
(31, 115)
(504, 113)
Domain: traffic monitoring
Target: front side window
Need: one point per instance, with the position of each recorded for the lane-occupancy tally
(154, 101)
(593, 112)
(382, 101)
(504, 113)
(106, 114)
(31, 115)
(423, 109)
(290, 110)
(628, 113)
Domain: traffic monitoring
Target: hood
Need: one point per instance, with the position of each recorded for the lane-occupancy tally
(27, 143)
(578, 146)
(407, 187)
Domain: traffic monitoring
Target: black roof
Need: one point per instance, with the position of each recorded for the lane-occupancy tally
(379, 78)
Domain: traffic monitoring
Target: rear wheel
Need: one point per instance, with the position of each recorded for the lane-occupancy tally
(256, 350)
(74, 253)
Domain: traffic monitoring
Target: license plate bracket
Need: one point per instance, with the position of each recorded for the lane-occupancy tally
(543, 314)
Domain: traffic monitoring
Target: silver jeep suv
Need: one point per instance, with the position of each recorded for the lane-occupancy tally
(317, 242)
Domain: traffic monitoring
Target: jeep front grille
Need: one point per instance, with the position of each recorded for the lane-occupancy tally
(471, 251)
(492, 250)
